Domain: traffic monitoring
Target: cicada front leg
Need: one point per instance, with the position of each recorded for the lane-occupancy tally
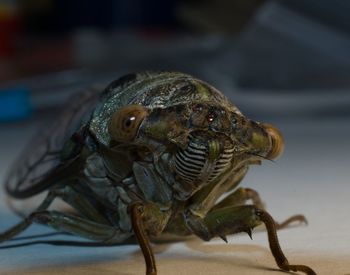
(148, 218)
(234, 219)
(242, 195)
(137, 211)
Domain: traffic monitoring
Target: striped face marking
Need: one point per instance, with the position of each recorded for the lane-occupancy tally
(203, 160)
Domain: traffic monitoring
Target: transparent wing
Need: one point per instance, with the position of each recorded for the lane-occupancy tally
(41, 158)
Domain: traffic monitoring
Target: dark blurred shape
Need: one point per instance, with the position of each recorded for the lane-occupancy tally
(9, 27)
(333, 13)
(61, 16)
(222, 16)
(296, 45)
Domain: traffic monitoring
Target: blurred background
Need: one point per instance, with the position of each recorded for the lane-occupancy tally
(263, 54)
(283, 62)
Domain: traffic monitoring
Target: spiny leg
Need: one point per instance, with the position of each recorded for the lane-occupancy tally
(23, 225)
(242, 195)
(235, 219)
(137, 212)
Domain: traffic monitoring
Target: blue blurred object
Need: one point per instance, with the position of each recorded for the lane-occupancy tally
(15, 104)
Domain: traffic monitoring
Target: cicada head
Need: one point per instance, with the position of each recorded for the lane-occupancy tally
(202, 133)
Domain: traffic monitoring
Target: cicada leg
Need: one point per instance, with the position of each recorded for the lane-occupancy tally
(242, 195)
(23, 225)
(91, 225)
(79, 226)
(80, 203)
(235, 219)
(136, 212)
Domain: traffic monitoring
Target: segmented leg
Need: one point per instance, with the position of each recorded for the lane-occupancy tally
(79, 226)
(92, 225)
(275, 247)
(295, 218)
(242, 195)
(136, 212)
(235, 219)
(23, 225)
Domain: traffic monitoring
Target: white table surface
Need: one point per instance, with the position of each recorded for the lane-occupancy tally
(312, 177)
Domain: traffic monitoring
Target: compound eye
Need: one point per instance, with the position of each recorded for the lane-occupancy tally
(277, 142)
(125, 122)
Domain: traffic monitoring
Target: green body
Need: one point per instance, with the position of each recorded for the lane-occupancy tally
(109, 175)
(152, 153)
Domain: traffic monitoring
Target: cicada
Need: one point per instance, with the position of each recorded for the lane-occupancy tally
(153, 153)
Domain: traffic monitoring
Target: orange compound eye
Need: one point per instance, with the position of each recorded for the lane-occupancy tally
(277, 142)
(125, 122)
